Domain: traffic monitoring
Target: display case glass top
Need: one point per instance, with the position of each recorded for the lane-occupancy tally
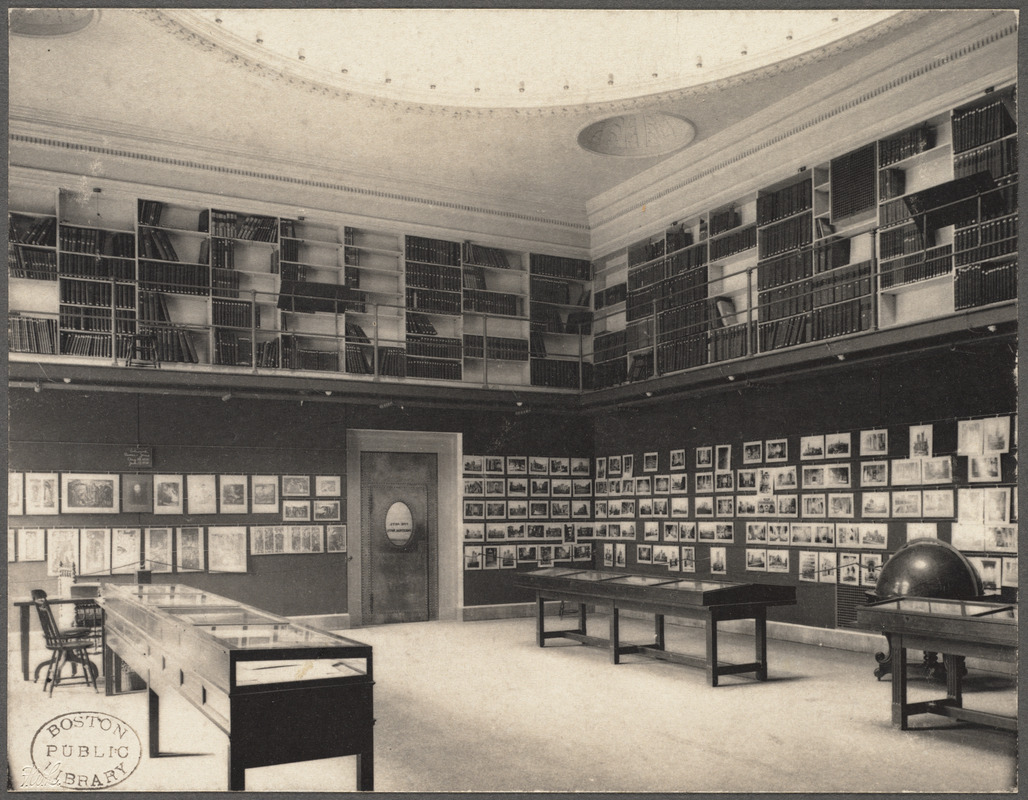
(949, 608)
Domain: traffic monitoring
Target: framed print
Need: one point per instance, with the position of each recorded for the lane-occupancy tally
(777, 560)
(266, 540)
(296, 485)
(495, 531)
(560, 487)
(579, 467)
(968, 536)
(1001, 538)
(746, 480)
(189, 552)
(906, 472)
(922, 530)
(849, 568)
(32, 544)
(718, 561)
(937, 503)
(756, 532)
(608, 555)
(644, 554)
(970, 437)
(813, 476)
(938, 469)
(752, 452)
(785, 479)
(704, 457)
(725, 506)
(837, 476)
(679, 507)
(788, 505)
(474, 531)
(95, 548)
(706, 532)
(15, 493)
(507, 557)
(651, 531)
(328, 485)
(601, 467)
(490, 558)
(687, 531)
(840, 505)
(126, 550)
(296, 510)
(517, 465)
(996, 435)
(776, 450)
(539, 487)
(41, 493)
(724, 481)
(495, 487)
(326, 510)
(650, 462)
(984, 469)
(627, 465)
(756, 559)
(232, 494)
(528, 552)
(92, 494)
(62, 550)
(724, 532)
(517, 509)
(473, 557)
(837, 445)
(545, 555)
(628, 486)
(580, 509)
(997, 505)
(202, 494)
(671, 530)
(537, 509)
(495, 509)
(766, 480)
(921, 441)
(874, 442)
(304, 538)
(167, 494)
(583, 530)
(687, 559)
(643, 486)
(768, 506)
(677, 460)
(1010, 572)
(600, 508)
(137, 494)
(875, 504)
(704, 506)
(661, 484)
(620, 555)
(560, 466)
(812, 447)
(847, 535)
(874, 473)
(824, 534)
(679, 483)
(226, 549)
(807, 565)
(473, 464)
(599, 488)
(723, 457)
(560, 509)
(265, 494)
(613, 466)
(970, 505)
(801, 533)
(870, 567)
(874, 534)
(157, 550)
(989, 570)
(493, 465)
(704, 482)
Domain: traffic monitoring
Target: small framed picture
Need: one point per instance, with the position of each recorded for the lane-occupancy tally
(232, 497)
(703, 506)
(756, 559)
(921, 441)
(725, 507)
(189, 550)
(538, 465)
(906, 472)
(970, 505)
(1001, 538)
(997, 505)
(937, 503)
(874, 473)
(776, 450)
(296, 486)
(517, 465)
(874, 442)
(601, 467)
(32, 545)
(137, 494)
(473, 557)
(126, 550)
(788, 505)
(723, 457)
(42, 493)
(495, 531)
(677, 460)
(679, 507)
(265, 494)
(474, 487)
(837, 476)
(807, 565)
(517, 487)
(335, 536)
(474, 531)
(837, 445)
(922, 530)
(473, 464)
(687, 559)
(92, 494)
(704, 482)
(679, 483)
(970, 437)
(560, 487)
(560, 466)
(326, 510)
(849, 569)
(661, 484)
(328, 485)
(938, 469)
(968, 536)
(167, 494)
(96, 552)
(813, 476)
(814, 505)
(493, 465)
(579, 467)
(777, 560)
(495, 487)
(495, 509)
(517, 509)
(704, 457)
(752, 452)
(874, 504)
(724, 481)
(539, 487)
(718, 561)
(296, 510)
(984, 469)
(627, 465)
(874, 534)
(785, 479)
(812, 447)
(202, 494)
(650, 462)
(15, 494)
(643, 486)
(870, 567)
(157, 549)
(996, 435)
(840, 505)
(801, 533)
(613, 466)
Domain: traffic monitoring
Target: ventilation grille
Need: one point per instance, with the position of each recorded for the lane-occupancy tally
(853, 182)
(847, 600)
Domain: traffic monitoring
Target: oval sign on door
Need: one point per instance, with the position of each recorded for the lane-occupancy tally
(399, 524)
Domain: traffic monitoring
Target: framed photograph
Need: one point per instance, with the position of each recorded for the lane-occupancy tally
(776, 450)
(723, 457)
(807, 565)
(62, 550)
(157, 550)
(756, 532)
(906, 472)
(517, 465)
(517, 509)
(305, 538)
(777, 560)
(627, 465)
(746, 480)
(837, 476)
(847, 535)
(989, 570)
(495, 531)
(474, 531)
(298, 485)
(495, 487)
(202, 494)
(507, 556)
(801, 533)
(724, 481)
(495, 509)
(580, 509)
(968, 536)
(266, 540)
(687, 559)
(126, 550)
(559, 509)
(922, 530)
(296, 510)
(41, 493)
(328, 485)
(473, 464)
(628, 486)
(560, 487)
(785, 479)
(95, 549)
(326, 510)
(725, 506)
(921, 441)
(661, 484)
(997, 505)
(601, 467)
(984, 469)
(813, 476)
(874, 442)
(15, 493)
(560, 466)
(189, 550)
(137, 494)
(840, 506)
(620, 555)
(579, 467)
(996, 435)
(32, 544)
(752, 452)
(650, 462)
(756, 559)
(335, 538)
(600, 488)
(938, 469)
(970, 437)
(718, 561)
(651, 531)
(837, 445)
(490, 558)
(679, 507)
(788, 505)
(970, 505)
(226, 549)
(870, 567)
(1001, 538)
(849, 569)
(875, 504)
(704, 457)
(874, 473)
(724, 532)
(874, 535)
(670, 531)
(812, 447)
(644, 554)
(537, 509)
(937, 503)
(678, 483)
(677, 460)
(265, 494)
(704, 481)
(706, 532)
(703, 506)
(687, 531)
(91, 494)
(613, 466)
(232, 495)
(493, 465)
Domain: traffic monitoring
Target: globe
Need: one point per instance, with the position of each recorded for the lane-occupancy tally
(928, 568)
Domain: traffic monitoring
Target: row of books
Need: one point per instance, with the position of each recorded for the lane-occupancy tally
(906, 144)
(785, 301)
(548, 290)
(609, 373)
(974, 127)
(31, 230)
(575, 269)
(611, 295)
(645, 251)
(436, 370)
(432, 251)
(173, 344)
(433, 276)
(432, 301)
(784, 202)
(434, 347)
(223, 253)
(910, 238)
(358, 359)
(90, 293)
(982, 284)
(679, 237)
(476, 254)
(95, 320)
(29, 262)
(786, 332)
(724, 220)
(97, 241)
(639, 335)
(176, 278)
(916, 267)
(554, 373)
(507, 305)
(643, 302)
(232, 225)
(988, 240)
(684, 321)
(94, 345)
(225, 282)
(608, 346)
(233, 349)
(732, 243)
(998, 158)
(894, 212)
(852, 316)
(728, 343)
(683, 289)
(474, 277)
(689, 258)
(831, 254)
(296, 357)
(31, 334)
(682, 353)
(537, 345)
(891, 183)
(81, 265)
(498, 348)
(646, 274)
(150, 212)
(155, 243)
(392, 361)
(846, 283)
(548, 319)
(781, 237)
(640, 367)
(785, 269)
(420, 324)
(235, 313)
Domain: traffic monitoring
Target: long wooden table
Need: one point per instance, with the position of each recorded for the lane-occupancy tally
(710, 601)
(282, 692)
(955, 628)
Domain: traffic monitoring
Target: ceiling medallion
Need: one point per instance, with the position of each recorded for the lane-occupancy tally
(642, 135)
(51, 21)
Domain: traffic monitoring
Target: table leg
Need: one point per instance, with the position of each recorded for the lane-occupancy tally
(154, 709)
(23, 625)
(237, 772)
(711, 626)
(365, 772)
(540, 628)
(615, 641)
(581, 618)
(954, 690)
(658, 631)
(899, 683)
(760, 641)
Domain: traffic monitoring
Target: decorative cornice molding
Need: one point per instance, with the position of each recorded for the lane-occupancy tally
(175, 24)
(812, 120)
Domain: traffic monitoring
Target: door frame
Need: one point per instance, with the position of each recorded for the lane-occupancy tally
(447, 447)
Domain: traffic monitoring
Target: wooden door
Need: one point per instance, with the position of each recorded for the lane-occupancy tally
(399, 519)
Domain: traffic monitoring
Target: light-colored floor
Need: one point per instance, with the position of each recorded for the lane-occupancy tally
(477, 706)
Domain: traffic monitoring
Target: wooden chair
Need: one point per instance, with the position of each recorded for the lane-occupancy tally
(66, 647)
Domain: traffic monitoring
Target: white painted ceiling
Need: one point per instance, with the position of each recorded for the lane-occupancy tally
(181, 78)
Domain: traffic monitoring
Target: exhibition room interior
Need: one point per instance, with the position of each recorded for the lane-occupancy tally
(522, 400)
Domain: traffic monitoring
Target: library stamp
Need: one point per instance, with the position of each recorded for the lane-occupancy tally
(85, 750)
